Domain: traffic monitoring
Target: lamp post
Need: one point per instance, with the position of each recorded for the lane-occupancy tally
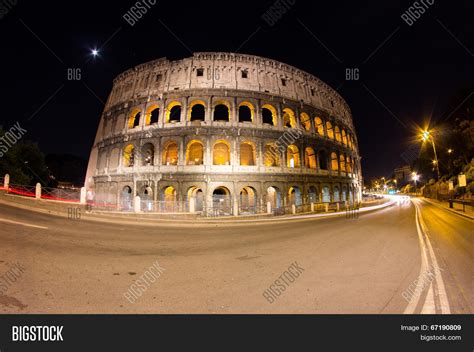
(426, 136)
(415, 177)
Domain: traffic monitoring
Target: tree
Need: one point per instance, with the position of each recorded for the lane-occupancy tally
(25, 164)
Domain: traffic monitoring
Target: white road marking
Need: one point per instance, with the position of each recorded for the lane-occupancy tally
(429, 306)
(427, 254)
(23, 224)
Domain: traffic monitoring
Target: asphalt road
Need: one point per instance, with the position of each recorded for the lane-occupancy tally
(381, 262)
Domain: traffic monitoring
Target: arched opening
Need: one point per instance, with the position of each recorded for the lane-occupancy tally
(294, 196)
(342, 163)
(323, 160)
(271, 155)
(173, 112)
(326, 195)
(152, 115)
(196, 196)
(221, 201)
(344, 137)
(312, 195)
(126, 198)
(330, 131)
(274, 197)
(305, 121)
(196, 111)
(336, 196)
(247, 154)
(334, 162)
(319, 125)
(349, 141)
(221, 153)
(146, 198)
(194, 153)
(351, 195)
(269, 115)
(168, 198)
(293, 156)
(309, 158)
(248, 201)
(221, 113)
(246, 112)
(148, 154)
(338, 134)
(170, 153)
(134, 120)
(129, 156)
(349, 164)
(344, 193)
(289, 120)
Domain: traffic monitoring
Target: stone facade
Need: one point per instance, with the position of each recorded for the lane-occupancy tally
(222, 130)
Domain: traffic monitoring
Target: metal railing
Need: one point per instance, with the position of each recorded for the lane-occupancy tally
(61, 194)
(21, 190)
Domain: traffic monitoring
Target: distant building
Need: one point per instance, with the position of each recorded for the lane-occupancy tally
(403, 174)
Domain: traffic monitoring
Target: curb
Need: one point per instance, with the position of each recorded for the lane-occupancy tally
(448, 209)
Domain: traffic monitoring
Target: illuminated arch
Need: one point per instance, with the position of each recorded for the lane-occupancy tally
(269, 115)
(247, 154)
(334, 162)
(309, 158)
(173, 112)
(152, 114)
(246, 112)
(305, 121)
(349, 164)
(295, 196)
(338, 134)
(170, 153)
(319, 126)
(293, 156)
(134, 119)
(221, 153)
(330, 131)
(168, 196)
(344, 137)
(271, 155)
(196, 110)
(129, 156)
(274, 197)
(342, 163)
(248, 200)
(195, 153)
(197, 195)
(289, 119)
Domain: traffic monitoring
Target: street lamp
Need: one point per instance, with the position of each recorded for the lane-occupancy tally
(426, 136)
(415, 177)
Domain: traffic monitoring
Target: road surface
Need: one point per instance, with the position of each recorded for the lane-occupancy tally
(386, 261)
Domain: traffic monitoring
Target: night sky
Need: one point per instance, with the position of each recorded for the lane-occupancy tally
(406, 72)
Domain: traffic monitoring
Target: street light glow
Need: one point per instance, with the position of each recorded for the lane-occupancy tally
(94, 52)
(425, 136)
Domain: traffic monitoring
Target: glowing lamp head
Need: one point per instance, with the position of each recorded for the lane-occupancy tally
(425, 136)
(95, 52)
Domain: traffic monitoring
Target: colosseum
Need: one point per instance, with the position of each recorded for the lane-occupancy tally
(223, 134)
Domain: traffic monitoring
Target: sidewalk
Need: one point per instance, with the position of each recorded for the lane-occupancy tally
(60, 209)
(458, 208)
